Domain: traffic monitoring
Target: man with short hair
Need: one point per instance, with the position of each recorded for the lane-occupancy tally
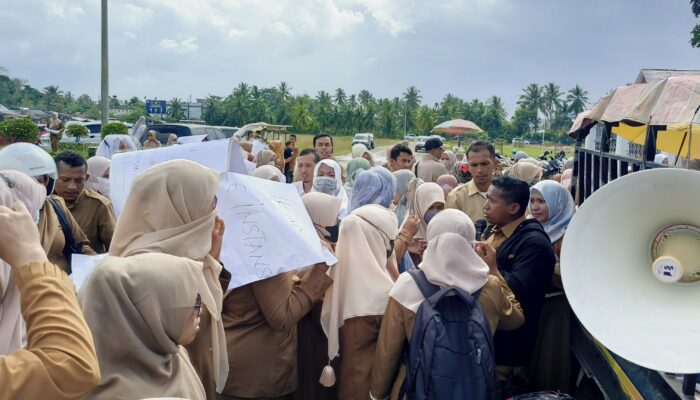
(471, 197)
(400, 157)
(92, 211)
(323, 143)
(306, 162)
(521, 251)
(430, 168)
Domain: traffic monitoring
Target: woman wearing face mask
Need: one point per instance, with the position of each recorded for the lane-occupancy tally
(171, 211)
(328, 179)
(449, 260)
(311, 353)
(355, 167)
(15, 186)
(98, 175)
(552, 205)
(354, 305)
(265, 157)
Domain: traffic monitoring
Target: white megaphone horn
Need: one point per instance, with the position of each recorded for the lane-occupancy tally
(630, 265)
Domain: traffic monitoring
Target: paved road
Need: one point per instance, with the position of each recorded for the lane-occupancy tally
(379, 154)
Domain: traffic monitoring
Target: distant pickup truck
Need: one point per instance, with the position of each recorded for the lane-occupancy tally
(364, 138)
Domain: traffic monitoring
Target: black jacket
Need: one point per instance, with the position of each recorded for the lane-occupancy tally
(526, 261)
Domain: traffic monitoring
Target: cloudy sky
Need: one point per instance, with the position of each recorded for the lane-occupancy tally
(471, 48)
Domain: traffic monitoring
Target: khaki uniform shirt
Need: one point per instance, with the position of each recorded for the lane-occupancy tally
(500, 306)
(95, 216)
(468, 199)
(52, 239)
(260, 320)
(499, 235)
(429, 169)
(59, 361)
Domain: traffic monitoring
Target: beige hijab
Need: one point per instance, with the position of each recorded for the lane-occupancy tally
(268, 172)
(361, 282)
(169, 211)
(96, 168)
(449, 260)
(136, 308)
(264, 157)
(426, 195)
(172, 139)
(323, 210)
(152, 142)
(526, 171)
(15, 186)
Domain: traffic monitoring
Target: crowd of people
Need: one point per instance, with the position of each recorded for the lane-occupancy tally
(155, 317)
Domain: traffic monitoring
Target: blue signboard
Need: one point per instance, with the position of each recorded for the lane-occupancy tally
(155, 106)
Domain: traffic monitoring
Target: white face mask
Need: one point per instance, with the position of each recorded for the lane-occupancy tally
(326, 185)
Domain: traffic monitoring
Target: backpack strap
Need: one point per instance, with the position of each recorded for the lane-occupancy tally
(426, 288)
(69, 248)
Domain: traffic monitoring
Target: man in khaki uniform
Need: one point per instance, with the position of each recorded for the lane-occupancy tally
(471, 197)
(92, 211)
(430, 168)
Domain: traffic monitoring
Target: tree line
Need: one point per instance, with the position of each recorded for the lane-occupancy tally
(540, 108)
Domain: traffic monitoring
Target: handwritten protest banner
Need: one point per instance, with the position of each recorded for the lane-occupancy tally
(268, 231)
(219, 155)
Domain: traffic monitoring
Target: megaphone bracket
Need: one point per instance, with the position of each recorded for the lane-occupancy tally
(667, 268)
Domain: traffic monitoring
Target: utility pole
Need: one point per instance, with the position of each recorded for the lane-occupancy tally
(105, 68)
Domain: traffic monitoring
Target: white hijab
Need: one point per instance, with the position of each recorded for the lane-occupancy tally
(96, 168)
(339, 179)
(449, 260)
(15, 186)
(268, 172)
(113, 144)
(361, 282)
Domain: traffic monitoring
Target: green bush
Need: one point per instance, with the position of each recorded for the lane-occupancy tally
(77, 131)
(19, 130)
(114, 128)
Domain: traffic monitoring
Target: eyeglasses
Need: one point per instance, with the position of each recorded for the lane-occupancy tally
(391, 241)
(198, 306)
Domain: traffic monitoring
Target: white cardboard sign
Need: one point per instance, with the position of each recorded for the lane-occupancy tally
(268, 230)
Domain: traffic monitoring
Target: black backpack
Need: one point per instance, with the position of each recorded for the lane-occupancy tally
(451, 353)
(70, 247)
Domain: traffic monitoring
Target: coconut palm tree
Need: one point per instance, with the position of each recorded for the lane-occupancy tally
(339, 97)
(50, 94)
(284, 91)
(301, 114)
(551, 97)
(212, 106)
(426, 119)
(532, 99)
(411, 98)
(578, 99)
(176, 110)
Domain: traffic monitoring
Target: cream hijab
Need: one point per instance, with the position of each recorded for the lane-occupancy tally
(268, 172)
(136, 308)
(323, 210)
(169, 211)
(15, 186)
(342, 194)
(426, 195)
(361, 281)
(264, 157)
(449, 260)
(96, 168)
(527, 171)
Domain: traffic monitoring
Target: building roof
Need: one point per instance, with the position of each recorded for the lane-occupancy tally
(655, 75)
